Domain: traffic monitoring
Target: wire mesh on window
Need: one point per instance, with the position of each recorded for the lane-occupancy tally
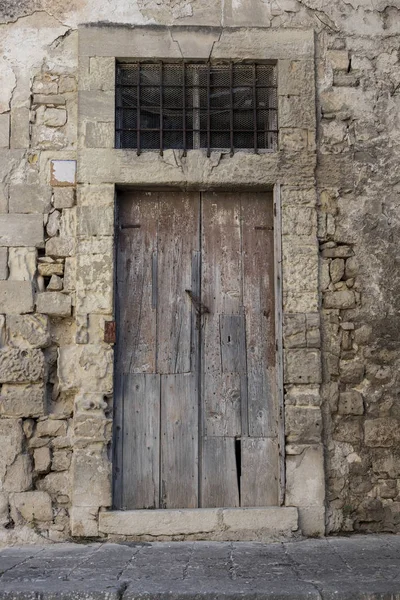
(186, 106)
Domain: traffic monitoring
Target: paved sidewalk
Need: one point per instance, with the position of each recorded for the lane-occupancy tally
(357, 567)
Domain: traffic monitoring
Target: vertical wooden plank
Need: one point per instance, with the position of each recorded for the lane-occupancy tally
(258, 300)
(222, 294)
(179, 441)
(220, 480)
(118, 419)
(178, 237)
(259, 472)
(136, 319)
(141, 441)
(279, 338)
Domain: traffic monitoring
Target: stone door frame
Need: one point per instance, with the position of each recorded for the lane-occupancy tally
(290, 172)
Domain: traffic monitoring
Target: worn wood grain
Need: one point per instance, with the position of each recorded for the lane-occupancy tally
(136, 319)
(222, 294)
(179, 441)
(259, 472)
(141, 441)
(220, 485)
(178, 237)
(258, 300)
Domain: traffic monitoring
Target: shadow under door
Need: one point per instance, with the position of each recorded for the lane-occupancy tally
(196, 419)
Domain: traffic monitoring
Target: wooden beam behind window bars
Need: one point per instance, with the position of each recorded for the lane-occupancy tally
(185, 106)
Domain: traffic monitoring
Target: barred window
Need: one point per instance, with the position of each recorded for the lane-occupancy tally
(185, 106)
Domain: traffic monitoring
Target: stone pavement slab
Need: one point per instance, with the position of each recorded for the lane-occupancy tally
(347, 568)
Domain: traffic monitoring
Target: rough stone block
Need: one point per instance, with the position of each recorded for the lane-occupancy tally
(95, 221)
(338, 252)
(19, 474)
(56, 484)
(11, 436)
(31, 506)
(32, 198)
(336, 269)
(342, 299)
(94, 284)
(3, 263)
(302, 396)
(94, 195)
(21, 366)
(53, 223)
(382, 433)
(61, 460)
(351, 403)
(84, 521)
(60, 247)
(294, 331)
(4, 130)
(305, 487)
(16, 297)
(42, 459)
(55, 117)
(351, 371)
(50, 269)
(97, 106)
(91, 474)
(21, 230)
(63, 197)
(20, 128)
(99, 135)
(296, 77)
(51, 428)
(303, 425)
(348, 429)
(296, 112)
(22, 400)
(54, 303)
(49, 99)
(28, 331)
(299, 220)
(338, 59)
(293, 139)
(22, 264)
(302, 366)
(88, 367)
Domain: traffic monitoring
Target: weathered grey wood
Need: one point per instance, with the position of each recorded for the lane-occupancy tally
(178, 237)
(118, 419)
(222, 294)
(141, 441)
(279, 400)
(258, 300)
(233, 343)
(136, 319)
(259, 472)
(179, 441)
(220, 485)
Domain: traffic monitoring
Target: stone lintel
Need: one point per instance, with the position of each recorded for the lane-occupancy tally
(203, 523)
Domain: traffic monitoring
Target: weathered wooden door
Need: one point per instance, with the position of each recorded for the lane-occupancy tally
(196, 419)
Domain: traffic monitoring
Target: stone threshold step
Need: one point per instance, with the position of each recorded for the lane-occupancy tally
(217, 524)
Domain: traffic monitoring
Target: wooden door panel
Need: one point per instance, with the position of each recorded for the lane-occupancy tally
(220, 484)
(178, 238)
(136, 323)
(259, 472)
(258, 301)
(222, 294)
(141, 441)
(179, 441)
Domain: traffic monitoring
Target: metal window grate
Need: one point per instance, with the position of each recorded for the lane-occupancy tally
(185, 106)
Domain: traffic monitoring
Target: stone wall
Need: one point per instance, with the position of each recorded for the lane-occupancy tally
(55, 369)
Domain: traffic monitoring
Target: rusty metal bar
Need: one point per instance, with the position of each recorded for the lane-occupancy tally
(161, 111)
(138, 113)
(255, 108)
(184, 107)
(208, 112)
(231, 116)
